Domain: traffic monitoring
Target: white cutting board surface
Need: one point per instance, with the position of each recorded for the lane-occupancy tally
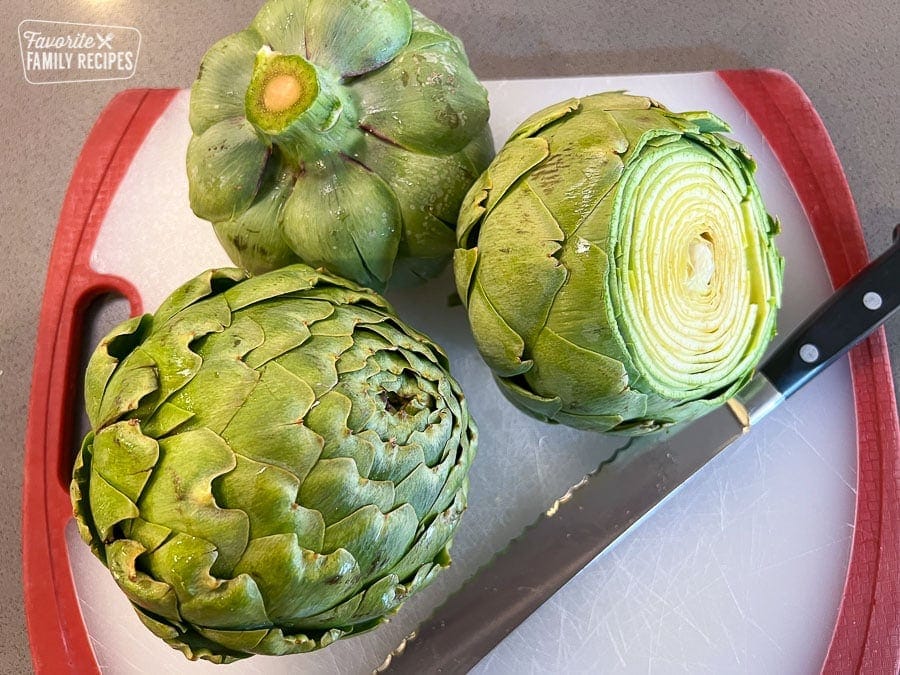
(741, 570)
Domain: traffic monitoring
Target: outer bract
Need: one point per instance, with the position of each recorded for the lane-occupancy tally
(618, 265)
(273, 463)
(339, 133)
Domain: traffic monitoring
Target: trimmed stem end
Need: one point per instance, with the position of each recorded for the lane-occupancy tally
(282, 88)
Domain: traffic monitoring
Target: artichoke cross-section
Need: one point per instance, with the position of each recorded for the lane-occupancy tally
(618, 265)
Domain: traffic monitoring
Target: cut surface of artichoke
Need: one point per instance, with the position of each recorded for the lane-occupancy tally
(618, 264)
(312, 85)
(274, 462)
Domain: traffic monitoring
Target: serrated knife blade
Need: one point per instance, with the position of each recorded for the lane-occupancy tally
(628, 486)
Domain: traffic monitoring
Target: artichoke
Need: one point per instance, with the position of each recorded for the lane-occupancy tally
(273, 462)
(339, 133)
(618, 266)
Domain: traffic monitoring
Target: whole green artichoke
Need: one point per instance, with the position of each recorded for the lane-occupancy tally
(339, 133)
(273, 463)
(618, 265)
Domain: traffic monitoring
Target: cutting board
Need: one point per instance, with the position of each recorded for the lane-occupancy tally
(780, 556)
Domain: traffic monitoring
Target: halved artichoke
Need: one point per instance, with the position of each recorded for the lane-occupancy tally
(273, 462)
(618, 264)
(339, 133)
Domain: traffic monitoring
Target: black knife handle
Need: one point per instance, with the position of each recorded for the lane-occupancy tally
(848, 316)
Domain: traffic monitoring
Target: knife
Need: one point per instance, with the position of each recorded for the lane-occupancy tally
(638, 477)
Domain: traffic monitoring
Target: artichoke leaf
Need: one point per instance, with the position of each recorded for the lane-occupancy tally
(382, 597)
(339, 615)
(169, 351)
(420, 489)
(437, 439)
(352, 37)
(108, 507)
(240, 337)
(136, 378)
(329, 420)
(428, 190)
(179, 494)
(142, 589)
(226, 646)
(457, 482)
(706, 123)
(272, 642)
(544, 118)
(577, 321)
(113, 348)
(149, 535)
(193, 644)
(184, 562)
(641, 127)
(79, 491)
(296, 582)
(519, 272)
(253, 238)
(464, 264)
(167, 418)
(124, 457)
(376, 540)
(544, 408)
(226, 165)
(217, 391)
(276, 642)
(618, 100)
(207, 284)
(394, 462)
(599, 422)
(579, 173)
(513, 161)
(337, 490)
(317, 365)
(218, 92)
(269, 428)
(268, 494)
(274, 284)
(432, 544)
(591, 382)
(282, 25)
(426, 32)
(426, 100)
(285, 326)
(344, 217)
(500, 346)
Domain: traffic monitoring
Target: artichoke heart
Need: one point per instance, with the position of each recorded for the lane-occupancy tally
(618, 265)
(338, 133)
(274, 462)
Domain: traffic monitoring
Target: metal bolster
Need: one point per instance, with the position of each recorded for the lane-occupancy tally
(755, 401)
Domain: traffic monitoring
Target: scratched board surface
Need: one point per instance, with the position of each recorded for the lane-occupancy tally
(740, 571)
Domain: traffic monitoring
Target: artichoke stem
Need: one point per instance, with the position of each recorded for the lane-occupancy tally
(297, 107)
(281, 92)
(282, 88)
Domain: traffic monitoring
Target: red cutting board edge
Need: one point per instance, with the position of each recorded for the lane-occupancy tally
(866, 634)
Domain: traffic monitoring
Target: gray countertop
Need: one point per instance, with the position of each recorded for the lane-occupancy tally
(846, 56)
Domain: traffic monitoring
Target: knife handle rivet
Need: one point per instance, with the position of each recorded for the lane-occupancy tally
(872, 300)
(809, 353)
